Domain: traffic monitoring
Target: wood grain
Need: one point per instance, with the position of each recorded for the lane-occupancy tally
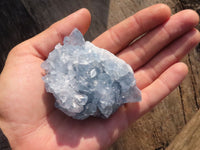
(22, 19)
(189, 138)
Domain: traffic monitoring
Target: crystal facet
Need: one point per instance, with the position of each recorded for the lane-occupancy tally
(86, 80)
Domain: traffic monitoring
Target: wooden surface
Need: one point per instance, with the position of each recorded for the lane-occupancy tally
(22, 19)
(189, 138)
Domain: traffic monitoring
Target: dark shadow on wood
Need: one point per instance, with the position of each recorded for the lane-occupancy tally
(47, 12)
(16, 25)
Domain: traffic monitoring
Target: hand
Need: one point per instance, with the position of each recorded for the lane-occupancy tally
(27, 113)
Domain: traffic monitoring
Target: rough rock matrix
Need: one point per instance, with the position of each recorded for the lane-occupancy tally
(86, 80)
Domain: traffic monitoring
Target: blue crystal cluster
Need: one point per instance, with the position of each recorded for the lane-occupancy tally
(86, 80)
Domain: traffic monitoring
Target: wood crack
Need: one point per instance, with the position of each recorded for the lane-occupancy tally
(193, 82)
(182, 104)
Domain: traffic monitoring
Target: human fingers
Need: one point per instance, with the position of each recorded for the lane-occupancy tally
(45, 42)
(155, 92)
(170, 55)
(145, 48)
(120, 35)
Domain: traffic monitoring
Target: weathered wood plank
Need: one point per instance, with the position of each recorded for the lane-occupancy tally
(189, 138)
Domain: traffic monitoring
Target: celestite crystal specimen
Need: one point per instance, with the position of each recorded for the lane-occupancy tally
(86, 80)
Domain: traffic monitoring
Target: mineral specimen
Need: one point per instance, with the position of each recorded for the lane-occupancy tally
(86, 80)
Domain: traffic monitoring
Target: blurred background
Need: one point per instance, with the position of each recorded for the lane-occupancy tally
(22, 19)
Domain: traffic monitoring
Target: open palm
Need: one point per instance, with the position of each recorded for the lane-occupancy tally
(27, 113)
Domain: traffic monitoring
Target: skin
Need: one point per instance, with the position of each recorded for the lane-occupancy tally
(27, 114)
